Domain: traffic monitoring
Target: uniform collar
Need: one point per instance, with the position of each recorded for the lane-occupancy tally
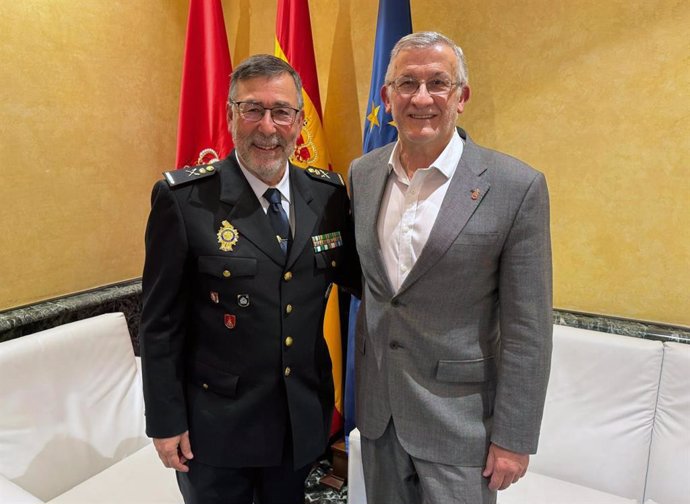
(259, 186)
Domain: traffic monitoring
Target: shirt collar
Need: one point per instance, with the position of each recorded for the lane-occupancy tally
(259, 186)
(446, 163)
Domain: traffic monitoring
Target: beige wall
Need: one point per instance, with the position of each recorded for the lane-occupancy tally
(88, 111)
(595, 94)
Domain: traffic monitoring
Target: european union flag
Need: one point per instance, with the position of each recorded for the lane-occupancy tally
(394, 22)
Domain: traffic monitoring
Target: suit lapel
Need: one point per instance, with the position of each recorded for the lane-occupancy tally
(305, 216)
(245, 212)
(370, 196)
(465, 193)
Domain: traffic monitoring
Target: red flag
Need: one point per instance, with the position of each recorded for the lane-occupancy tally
(294, 44)
(202, 133)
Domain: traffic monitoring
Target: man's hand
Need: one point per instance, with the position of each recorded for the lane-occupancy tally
(174, 451)
(504, 467)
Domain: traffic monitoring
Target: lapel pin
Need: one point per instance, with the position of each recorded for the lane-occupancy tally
(214, 297)
(230, 321)
(243, 300)
(475, 194)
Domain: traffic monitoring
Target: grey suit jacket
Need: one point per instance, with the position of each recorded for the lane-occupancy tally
(460, 355)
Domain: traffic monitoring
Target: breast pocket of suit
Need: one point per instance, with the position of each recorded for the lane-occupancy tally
(475, 250)
(227, 268)
(476, 239)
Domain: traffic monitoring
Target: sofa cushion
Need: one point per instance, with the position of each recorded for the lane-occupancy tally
(71, 404)
(599, 411)
(13, 494)
(668, 479)
(356, 494)
(139, 478)
(539, 489)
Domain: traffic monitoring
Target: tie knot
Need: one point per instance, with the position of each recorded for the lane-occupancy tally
(272, 195)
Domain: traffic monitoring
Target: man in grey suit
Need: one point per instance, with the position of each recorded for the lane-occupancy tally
(454, 332)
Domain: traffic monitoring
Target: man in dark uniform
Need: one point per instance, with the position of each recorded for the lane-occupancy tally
(240, 256)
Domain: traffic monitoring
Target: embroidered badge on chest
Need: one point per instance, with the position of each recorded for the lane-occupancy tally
(227, 236)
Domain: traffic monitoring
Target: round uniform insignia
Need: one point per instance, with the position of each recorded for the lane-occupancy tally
(243, 300)
(227, 236)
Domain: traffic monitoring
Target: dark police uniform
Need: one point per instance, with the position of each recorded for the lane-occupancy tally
(231, 330)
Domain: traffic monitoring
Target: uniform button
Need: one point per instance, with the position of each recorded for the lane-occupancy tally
(288, 341)
(205, 386)
(288, 309)
(395, 302)
(227, 274)
(288, 371)
(287, 276)
(334, 264)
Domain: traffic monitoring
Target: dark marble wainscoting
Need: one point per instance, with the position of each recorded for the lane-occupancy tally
(122, 297)
(126, 297)
(625, 327)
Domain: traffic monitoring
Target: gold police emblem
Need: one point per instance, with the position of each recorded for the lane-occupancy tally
(227, 236)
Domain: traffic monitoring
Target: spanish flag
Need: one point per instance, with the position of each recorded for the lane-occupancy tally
(294, 44)
(202, 133)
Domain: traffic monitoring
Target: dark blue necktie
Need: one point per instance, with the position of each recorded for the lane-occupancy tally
(278, 218)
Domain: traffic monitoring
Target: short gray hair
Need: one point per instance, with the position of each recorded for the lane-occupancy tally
(263, 65)
(424, 40)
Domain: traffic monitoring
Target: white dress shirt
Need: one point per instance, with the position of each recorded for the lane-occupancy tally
(409, 208)
(259, 187)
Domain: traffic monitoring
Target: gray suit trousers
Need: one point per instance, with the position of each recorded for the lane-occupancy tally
(392, 476)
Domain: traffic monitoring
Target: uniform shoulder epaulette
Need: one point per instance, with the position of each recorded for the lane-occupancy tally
(325, 176)
(188, 174)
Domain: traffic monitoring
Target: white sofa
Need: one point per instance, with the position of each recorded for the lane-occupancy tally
(616, 425)
(72, 419)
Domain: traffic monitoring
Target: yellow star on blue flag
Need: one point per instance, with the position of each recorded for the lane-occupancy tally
(373, 116)
(393, 23)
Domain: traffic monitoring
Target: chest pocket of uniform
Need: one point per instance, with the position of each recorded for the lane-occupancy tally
(328, 259)
(227, 267)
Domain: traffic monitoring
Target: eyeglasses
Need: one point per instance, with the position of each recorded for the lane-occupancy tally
(254, 112)
(408, 86)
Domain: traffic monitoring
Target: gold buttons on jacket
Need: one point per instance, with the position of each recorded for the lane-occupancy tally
(334, 264)
(287, 276)
(205, 386)
(227, 274)
(288, 341)
(288, 371)
(288, 309)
